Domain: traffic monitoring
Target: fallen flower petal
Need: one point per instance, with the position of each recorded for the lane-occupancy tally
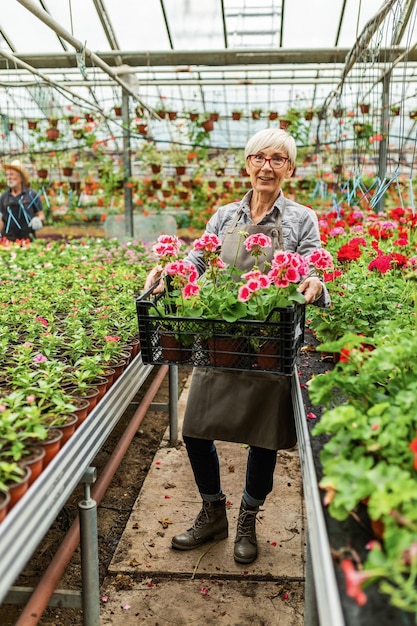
(126, 607)
(311, 416)
(104, 598)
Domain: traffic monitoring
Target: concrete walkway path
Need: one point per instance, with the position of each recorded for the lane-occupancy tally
(149, 583)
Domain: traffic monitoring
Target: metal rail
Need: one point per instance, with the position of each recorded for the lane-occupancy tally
(29, 520)
(322, 605)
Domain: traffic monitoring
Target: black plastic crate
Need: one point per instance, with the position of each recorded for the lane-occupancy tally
(242, 345)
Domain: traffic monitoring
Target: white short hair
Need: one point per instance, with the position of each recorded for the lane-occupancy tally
(274, 138)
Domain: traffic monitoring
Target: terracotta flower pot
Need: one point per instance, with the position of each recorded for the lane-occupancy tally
(224, 351)
(118, 366)
(90, 394)
(4, 504)
(81, 409)
(109, 374)
(208, 125)
(35, 461)
(68, 427)
(52, 134)
(172, 349)
(100, 382)
(268, 355)
(18, 488)
(52, 445)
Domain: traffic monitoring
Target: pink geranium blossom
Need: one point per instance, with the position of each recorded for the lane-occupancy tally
(258, 239)
(208, 242)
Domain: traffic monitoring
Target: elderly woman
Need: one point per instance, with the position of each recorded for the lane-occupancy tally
(223, 405)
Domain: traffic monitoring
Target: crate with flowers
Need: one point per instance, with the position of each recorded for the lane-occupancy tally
(227, 318)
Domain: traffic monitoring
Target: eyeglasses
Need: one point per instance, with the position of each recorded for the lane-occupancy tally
(276, 162)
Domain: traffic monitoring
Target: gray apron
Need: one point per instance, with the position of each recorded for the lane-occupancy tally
(248, 407)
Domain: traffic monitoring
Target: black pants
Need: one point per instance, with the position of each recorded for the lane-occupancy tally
(206, 468)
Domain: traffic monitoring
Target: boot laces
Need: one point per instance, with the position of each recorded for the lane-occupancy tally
(246, 523)
(201, 519)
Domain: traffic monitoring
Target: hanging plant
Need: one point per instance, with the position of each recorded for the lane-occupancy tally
(52, 134)
(339, 112)
(236, 115)
(208, 125)
(32, 124)
(42, 173)
(273, 115)
(256, 114)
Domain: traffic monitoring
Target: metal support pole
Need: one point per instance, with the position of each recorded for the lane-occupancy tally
(89, 552)
(382, 159)
(127, 165)
(311, 617)
(173, 405)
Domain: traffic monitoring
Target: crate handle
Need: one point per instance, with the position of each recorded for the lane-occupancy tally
(145, 294)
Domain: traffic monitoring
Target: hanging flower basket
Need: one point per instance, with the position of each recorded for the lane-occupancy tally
(42, 173)
(32, 124)
(364, 107)
(142, 129)
(338, 112)
(67, 171)
(236, 115)
(208, 125)
(273, 115)
(118, 111)
(172, 115)
(52, 134)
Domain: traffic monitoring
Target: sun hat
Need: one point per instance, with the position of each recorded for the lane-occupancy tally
(19, 167)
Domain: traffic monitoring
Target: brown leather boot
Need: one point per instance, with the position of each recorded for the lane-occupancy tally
(211, 523)
(246, 547)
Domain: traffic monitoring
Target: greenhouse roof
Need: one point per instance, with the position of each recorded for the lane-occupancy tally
(216, 55)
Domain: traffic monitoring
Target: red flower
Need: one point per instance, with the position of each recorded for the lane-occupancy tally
(413, 448)
(354, 579)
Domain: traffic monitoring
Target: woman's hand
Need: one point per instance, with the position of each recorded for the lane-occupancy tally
(311, 288)
(154, 275)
